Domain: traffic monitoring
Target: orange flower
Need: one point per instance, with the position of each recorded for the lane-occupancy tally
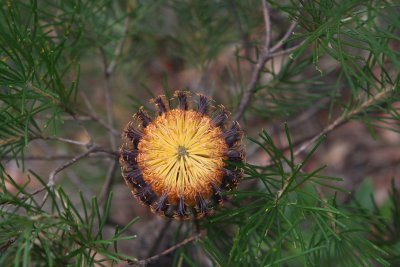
(177, 163)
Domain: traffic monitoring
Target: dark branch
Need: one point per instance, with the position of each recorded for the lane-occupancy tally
(167, 251)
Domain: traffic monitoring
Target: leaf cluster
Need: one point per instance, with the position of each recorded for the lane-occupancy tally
(349, 54)
(34, 68)
(69, 234)
(288, 220)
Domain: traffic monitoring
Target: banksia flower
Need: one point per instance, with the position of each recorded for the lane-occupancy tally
(177, 163)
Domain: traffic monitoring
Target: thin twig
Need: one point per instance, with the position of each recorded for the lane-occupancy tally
(95, 147)
(61, 139)
(263, 58)
(102, 154)
(305, 143)
(4, 247)
(37, 191)
(280, 192)
(345, 117)
(69, 163)
(289, 32)
(52, 98)
(53, 174)
(167, 251)
(267, 22)
(286, 51)
(65, 117)
(108, 72)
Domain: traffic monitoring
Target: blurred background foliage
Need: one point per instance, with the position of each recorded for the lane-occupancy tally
(321, 183)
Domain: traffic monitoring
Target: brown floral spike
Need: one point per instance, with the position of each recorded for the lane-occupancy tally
(177, 162)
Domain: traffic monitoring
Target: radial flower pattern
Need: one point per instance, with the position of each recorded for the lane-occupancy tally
(178, 162)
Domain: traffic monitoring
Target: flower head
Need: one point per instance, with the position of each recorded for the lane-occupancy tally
(177, 163)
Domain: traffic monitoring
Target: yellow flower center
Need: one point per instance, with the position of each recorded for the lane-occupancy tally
(181, 153)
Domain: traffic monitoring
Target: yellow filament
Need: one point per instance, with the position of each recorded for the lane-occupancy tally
(182, 153)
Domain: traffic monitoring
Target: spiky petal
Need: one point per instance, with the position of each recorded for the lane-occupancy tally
(203, 104)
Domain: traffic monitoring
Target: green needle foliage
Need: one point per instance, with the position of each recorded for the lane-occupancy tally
(340, 59)
(64, 236)
(288, 222)
(33, 69)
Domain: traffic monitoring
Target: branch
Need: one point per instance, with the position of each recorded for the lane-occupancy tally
(286, 51)
(69, 163)
(106, 154)
(65, 117)
(167, 251)
(260, 65)
(53, 99)
(61, 139)
(108, 72)
(280, 192)
(267, 22)
(345, 117)
(289, 32)
(4, 247)
(53, 174)
(266, 55)
(305, 143)
(97, 148)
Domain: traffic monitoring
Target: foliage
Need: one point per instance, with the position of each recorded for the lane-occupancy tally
(63, 236)
(288, 222)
